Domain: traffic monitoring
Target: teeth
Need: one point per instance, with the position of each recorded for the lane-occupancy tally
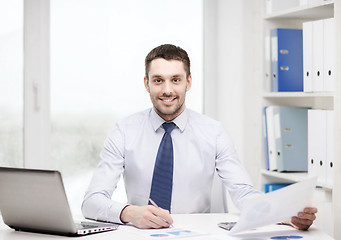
(167, 100)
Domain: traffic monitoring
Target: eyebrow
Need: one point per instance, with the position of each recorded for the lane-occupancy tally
(173, 76)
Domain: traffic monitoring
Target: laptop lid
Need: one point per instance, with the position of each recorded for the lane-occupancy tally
(35, 200)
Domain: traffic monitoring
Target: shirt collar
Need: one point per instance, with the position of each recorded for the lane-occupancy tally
(180, 120)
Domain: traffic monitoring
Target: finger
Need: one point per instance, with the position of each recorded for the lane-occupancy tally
(149, 220)
(158, 219)
(301, 227)
(145, 224)
(289, 223)
(163, 214)
(156, 223)
(301, 224)
(308, 216)
(161, 223)
(311, 210)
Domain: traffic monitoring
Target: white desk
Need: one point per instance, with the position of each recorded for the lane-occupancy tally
(206, 223)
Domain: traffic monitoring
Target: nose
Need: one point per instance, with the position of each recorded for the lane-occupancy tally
(167, 88)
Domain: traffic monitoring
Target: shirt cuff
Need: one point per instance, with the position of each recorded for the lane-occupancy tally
(121, 214)
(115, 212)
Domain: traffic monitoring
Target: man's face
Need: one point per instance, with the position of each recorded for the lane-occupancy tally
(167, 85)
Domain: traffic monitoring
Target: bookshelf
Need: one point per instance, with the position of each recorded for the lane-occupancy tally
(327, 196)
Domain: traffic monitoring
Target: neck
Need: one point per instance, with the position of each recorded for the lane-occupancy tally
(170, 117)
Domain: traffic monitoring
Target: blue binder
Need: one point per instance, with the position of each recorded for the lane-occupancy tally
(291, 125)
(287, 60)
(269, 187)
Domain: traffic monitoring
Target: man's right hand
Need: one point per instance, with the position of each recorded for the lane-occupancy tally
(146, 216)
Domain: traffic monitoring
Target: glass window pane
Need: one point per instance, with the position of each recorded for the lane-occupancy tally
(11, 83)
(97, 68)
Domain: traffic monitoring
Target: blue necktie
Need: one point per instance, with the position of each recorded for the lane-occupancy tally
(162, 183)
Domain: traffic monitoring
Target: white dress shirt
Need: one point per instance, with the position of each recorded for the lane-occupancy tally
(200, 146)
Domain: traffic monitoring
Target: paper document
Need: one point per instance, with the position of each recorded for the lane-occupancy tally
(164, 233)
(276, 206)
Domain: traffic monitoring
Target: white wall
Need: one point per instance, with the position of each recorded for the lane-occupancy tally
(232, 67)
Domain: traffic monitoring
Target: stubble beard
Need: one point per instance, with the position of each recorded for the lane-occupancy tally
(169, 116)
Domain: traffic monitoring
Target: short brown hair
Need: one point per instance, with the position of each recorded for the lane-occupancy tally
(168, 52)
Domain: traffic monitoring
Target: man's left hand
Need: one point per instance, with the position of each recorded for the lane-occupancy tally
(304, 219)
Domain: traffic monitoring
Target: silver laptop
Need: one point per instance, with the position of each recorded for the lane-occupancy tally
(35, 201)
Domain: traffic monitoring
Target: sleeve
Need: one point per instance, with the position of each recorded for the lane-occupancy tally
(97, 203)
(234, 176)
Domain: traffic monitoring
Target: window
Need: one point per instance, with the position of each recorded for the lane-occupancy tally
(97, 68)
(11, 83)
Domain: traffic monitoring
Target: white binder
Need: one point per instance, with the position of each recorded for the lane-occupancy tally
(312, 167)
(267, 63)
(318, 77)
(330, 148)
(317, 144)
(271, 138)
(307, 56)
(329, 51)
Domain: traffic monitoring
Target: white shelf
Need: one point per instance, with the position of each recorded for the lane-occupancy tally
(323, 100)
(316, 11)
(298, 95)
(292, 177)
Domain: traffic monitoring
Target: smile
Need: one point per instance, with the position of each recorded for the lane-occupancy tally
(168, 100)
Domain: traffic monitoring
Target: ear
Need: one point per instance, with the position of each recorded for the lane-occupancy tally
(189, 83)
(146, 84)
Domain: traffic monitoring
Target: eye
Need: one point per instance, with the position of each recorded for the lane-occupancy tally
(176, 80)
(158, 80)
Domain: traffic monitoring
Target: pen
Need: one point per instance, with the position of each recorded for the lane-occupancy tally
(155, 205)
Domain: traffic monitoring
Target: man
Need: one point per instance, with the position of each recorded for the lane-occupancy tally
(197, 146)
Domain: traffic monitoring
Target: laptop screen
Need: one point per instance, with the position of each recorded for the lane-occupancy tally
(34, 199)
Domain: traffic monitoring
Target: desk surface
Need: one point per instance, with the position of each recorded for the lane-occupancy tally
(204, 223)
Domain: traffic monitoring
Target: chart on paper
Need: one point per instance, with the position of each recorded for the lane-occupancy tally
(164, 233)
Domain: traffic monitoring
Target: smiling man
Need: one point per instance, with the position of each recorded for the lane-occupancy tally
(168, 155)
(167, 83)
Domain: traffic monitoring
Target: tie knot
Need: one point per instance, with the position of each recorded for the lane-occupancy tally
(168, 126)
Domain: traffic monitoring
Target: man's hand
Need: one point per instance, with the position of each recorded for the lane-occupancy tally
(304, 219)
(146, 216)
